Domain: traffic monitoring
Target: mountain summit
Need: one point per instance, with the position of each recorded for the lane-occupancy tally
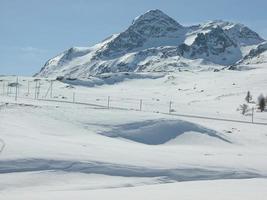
(156, 42)
(155, 23)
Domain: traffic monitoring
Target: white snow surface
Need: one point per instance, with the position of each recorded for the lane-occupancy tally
(61, 150)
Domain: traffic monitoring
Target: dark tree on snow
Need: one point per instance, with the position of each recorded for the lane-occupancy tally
(261, 103)
(248, 98)
(244, 109)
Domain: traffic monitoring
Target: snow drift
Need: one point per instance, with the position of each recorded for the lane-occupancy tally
(155, 132)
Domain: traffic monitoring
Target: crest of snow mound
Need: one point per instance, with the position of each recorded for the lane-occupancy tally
(155, 132)
(156, 42)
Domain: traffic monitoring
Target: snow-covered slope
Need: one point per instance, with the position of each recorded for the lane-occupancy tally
(55, 150)
(257, 55)
(156, 42)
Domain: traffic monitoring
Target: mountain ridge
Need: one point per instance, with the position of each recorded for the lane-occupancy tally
(156, 42)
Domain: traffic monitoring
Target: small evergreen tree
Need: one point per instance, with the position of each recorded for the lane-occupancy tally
(244, 109)
(261, 103)
(248, 98)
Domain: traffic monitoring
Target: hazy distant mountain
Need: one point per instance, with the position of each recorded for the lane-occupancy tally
(156, 42)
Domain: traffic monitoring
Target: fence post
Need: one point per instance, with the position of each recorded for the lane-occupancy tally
(252, 116)
(18, 89)
(73, 97)
(170, 107)
(108, 102)
(16, 95)
(141, 104)
(35, 91)
(3, 88)
(28, 88)
(51, 89)
(7, 91)
(39, 88)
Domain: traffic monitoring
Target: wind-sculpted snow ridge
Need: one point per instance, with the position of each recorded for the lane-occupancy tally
(155, 42)
(155, 132)
(91, 167)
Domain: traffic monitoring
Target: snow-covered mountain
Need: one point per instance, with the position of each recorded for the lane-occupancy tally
(156, 42)
(256, 55)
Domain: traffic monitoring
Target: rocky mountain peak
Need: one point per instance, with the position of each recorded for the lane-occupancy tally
(155, 23)
(239, 33)
(156, 42)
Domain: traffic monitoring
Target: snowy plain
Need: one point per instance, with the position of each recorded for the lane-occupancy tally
(64, 150)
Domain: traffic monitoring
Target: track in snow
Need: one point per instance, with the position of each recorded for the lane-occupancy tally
(91, 167)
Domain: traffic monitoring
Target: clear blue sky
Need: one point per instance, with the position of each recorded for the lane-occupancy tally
(32, 31)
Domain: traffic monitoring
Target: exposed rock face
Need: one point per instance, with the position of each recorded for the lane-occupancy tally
(152, 25)
(156, 42)
(257, 51)
(213, 42)
(257, 55)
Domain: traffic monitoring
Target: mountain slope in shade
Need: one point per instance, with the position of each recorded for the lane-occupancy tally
(156, 42)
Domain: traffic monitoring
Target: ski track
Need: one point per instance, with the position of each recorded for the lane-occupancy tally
(170, 175)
